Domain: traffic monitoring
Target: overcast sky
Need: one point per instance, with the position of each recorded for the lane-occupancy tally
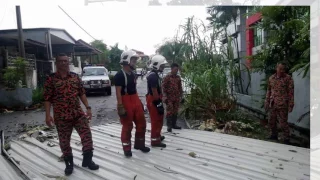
(133, 24)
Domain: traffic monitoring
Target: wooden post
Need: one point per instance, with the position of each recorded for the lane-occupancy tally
(20, 33)
(21, 41)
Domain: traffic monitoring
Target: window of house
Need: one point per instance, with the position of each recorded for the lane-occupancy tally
(257, 34)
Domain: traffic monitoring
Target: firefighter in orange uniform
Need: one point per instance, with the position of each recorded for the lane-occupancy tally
(129, 105)
(154, 100)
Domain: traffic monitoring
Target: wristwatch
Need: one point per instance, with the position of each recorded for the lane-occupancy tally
(88, 107)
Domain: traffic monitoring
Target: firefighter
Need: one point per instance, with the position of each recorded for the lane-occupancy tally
(130, 109)
(279, 102)
(154, 100)
(172, 95)
(63, 90)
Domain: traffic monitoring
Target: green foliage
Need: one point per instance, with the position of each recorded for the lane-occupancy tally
(221, 17)
(114, 58)
(173, 51)
(15, 74)
(101, 58)
(288, 39)
(209, 92)
(110, 56)
(111, 79)
(37, 96)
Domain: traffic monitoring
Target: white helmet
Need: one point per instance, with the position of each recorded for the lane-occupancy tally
(126, 56)
(156, 61)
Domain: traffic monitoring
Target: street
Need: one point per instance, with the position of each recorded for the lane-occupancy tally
(103, 111)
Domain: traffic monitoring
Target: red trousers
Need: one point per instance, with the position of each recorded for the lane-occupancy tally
(156, 121)
(135, 114)
(65, 127)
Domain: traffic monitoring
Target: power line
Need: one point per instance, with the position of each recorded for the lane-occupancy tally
(76, 22)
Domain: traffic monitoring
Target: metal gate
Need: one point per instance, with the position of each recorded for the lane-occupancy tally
(44, 68)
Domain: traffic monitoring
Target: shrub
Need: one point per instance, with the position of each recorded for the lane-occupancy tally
(37, 96)
(15, 74)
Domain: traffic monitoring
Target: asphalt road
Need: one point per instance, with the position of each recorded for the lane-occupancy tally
(103, 110)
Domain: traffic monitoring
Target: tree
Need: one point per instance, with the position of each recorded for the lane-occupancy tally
(288, 38)
(114, 58)
(102, 58)
(221, 17)
(173, 51)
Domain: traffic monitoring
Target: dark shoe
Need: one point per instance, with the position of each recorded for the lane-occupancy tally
(162, 145)
(169, 124)
(176, 127)
(272, 137)
(87, 161)
(162, 138)
(128, 153)
(143, 149)
(69, 165)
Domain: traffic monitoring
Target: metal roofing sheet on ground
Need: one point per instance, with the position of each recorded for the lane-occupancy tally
(7, 171)
(218, 156)
(315, 157)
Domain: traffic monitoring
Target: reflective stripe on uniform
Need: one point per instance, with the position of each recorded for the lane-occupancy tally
(155, 139)
(125, 81)
(126, 144)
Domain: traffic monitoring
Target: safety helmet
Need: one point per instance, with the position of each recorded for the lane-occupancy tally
(156, 61)
(126, 57)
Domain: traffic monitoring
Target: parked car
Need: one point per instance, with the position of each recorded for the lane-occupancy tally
(139, 72)
(96, 79)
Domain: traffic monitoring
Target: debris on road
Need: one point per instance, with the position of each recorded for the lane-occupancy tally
(192, 154)
(56, 177)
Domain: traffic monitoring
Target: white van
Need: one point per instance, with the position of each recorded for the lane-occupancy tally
(96, 79)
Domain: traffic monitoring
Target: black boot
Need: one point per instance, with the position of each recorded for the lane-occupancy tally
(162, 138)
(143, 149)
(127, 153)
(69, 165)
(139, 144)
(174, 122)
(169, 124)
(162, 145)
(87, 161)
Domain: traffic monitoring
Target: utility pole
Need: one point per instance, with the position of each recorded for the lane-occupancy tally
(21, 40)
(20, 33)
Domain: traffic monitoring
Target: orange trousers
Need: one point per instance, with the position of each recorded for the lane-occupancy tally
(135, 114)
(156, 121)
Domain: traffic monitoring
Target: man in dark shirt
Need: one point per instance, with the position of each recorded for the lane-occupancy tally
(154, 100)
(62, 90)
(129, 106)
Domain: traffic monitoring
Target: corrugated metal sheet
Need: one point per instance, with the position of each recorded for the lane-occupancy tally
(7, 171)
(315, 157)
(218, 156)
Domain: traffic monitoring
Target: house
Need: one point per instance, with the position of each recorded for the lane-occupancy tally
(141, 54)
(41, 46)
(250, 41)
